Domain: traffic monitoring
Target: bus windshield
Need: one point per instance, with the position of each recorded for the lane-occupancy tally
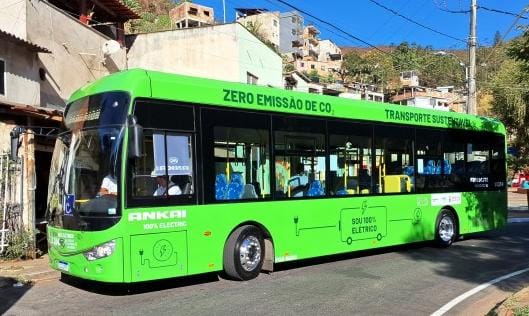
(84, 176)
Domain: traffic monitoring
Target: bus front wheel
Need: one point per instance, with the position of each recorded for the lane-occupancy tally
(445, 229)
(244, 253)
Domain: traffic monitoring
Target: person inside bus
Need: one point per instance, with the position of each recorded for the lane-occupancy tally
(166, 187)
(108, 186)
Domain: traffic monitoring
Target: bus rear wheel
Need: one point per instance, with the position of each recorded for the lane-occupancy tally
(445, 229)
(244, 253)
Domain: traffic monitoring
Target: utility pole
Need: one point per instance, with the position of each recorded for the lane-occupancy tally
(224, 9)
(471, 104)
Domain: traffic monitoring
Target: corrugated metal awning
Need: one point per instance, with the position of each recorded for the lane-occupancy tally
(15, 39)
(32, 111)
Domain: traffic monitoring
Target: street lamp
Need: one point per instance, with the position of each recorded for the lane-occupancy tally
(462, 64)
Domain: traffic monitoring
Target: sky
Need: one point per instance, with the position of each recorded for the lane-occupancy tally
(377, 26)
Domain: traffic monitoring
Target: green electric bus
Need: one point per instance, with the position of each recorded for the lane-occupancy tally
(160, 175)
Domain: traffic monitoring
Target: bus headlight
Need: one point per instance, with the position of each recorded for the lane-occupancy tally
(100, 251)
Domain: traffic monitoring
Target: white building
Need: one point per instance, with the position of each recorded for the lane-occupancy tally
(224, 52)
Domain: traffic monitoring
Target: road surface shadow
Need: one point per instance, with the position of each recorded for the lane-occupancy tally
(120, 289)
(350, 255)
(9, 294)
(481, 257)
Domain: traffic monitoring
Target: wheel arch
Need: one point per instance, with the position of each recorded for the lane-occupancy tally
(268, 264)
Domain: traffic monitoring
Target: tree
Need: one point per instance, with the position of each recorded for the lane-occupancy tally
(255, 29)
(497, 39)
(154, 15)
(353, 66)
(381, 70)
(406, 57)
(511, 99)
(441, 70)
(288, 65)
(314, 76)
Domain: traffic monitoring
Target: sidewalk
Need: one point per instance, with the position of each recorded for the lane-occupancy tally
(26, 271)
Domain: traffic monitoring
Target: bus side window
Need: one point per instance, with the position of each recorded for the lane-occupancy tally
(300, 160)
(350, 158)
(497, 165)
(431, 165)
(393, 159)
(166, 169)
(478, 165)
(242, 163)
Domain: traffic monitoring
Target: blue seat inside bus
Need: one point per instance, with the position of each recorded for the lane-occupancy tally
(433, 167)
(315, 189)
(342, 191)
(235, 187)
(430, 167)
(409, 171)
(221, 186)
(447, 167)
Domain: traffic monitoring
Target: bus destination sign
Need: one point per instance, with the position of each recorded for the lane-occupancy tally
(414, 117)
(273, 101)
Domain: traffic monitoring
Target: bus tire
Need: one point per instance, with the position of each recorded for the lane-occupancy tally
(244, 253)
(445, 229)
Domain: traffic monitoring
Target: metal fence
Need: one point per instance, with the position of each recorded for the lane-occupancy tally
(11, 188)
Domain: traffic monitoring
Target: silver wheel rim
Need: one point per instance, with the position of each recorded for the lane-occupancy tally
(250, 253)
(446, 229)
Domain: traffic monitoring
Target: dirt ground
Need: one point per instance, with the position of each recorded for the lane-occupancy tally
(516, 305)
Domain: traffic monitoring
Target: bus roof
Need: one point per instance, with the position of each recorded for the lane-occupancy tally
(152, 84)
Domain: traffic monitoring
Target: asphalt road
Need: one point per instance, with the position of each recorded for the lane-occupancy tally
(408, 280)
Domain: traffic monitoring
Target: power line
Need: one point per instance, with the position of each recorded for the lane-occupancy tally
(396, 30)
(479, 7)
(444, 7)
(504, 12)
(522, 12)
(415, 22)
(331, 25)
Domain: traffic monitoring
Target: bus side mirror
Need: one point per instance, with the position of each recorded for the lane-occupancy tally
(135, 138)
(15, 143)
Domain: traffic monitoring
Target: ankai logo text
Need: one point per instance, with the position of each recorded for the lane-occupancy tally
(143, 216)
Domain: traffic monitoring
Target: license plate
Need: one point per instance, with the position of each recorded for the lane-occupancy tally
(64, 266)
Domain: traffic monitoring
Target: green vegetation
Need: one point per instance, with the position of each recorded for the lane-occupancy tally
(510, 92)
(375, 67)
(21, 245)
(154, 15)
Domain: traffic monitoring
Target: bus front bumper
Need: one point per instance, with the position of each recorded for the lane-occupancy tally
(106, 269)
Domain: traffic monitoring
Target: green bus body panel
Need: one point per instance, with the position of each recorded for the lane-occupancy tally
(158, 85)
(189, 239)
(193, 243)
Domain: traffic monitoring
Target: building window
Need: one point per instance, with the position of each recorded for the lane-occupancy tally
(312, 66)
(294, 32)
(251, 78)
(433, 102)
(275, 23)
(206, 13)
(2, 77)
(193, 11)
(302, 65)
